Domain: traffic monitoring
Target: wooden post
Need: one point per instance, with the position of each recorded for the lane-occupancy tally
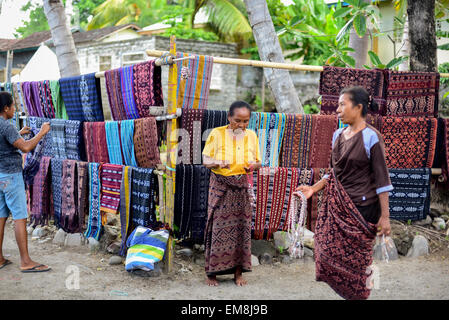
(171, 152)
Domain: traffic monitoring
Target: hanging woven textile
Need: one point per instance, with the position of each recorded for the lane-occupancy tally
(145, 142)
(105, 100)
(345, 268)
(289, 137)
(323, 127)
(111, 180)
(69, 195)
(113, 88)
(317, 198)
(28, 102)
(412, 93)
(190, 149)
(58, 138)
(113, 142)
(409, 142)
(81, 97)
(270, 133)
(83, 196)
(335, 79)
(142, 197)
(95, 142)
(94, 224)
(36, 99)
(125, 207)
(127, 140)
(74, 140)
(58, 101)
(56, 189)
(32, 160)
(201, 176)
(194, 77)
(18, 97)
(46, 99)
(212, 119)
(375, 120)
(273, 188)
(147, 87)
(410, 199)
(40, 209)
(126, 78)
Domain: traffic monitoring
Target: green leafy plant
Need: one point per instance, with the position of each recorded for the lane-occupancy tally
(409, 222)
(281, 249)
(311, 109)
(377, 64)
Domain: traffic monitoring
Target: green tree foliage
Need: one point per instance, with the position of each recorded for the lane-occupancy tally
(38, 22)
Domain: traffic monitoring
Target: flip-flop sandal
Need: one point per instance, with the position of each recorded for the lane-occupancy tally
(5, 264)
(35, 269)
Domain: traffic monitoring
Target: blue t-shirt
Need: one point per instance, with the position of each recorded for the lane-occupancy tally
(10, 156)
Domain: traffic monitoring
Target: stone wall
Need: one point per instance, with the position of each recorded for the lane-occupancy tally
(229, 82)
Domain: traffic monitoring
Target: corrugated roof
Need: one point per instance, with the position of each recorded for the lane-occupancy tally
(37, 38)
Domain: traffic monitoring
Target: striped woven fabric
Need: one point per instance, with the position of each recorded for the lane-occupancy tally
(273, 188)
(56, 185)
(58, 101)
(46, 99)
(145, 142)
(113, 142)
(33, 158)
(145, 248)
(194, 77)
(73, 136)
(40, 208)
(69, 184)
(105, 100)
(58, 138)
(410, 199)
(125, 208)
(111, 181)
(94, 224)
(127, 141)
(95, 142)
(113, 88)
(29, 106)
(270, 131)
(36, 99)
(77, 224)
(81, 96)
(126, 78)
(323, 128)
(147, 87)
(190, 149)
(289, 138)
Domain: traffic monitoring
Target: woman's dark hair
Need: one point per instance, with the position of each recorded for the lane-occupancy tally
(359, 95)
(238, 105)
(5, 100)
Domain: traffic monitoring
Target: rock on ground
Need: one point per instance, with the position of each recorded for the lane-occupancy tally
(439, 224)
(74, 240)
(59, 237)
(420, 247)
(259, 247)
(115, 260)
(254, 261)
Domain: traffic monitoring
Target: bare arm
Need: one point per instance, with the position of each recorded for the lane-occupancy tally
(211, 163)
(308, 191)
(383, 226)
(28, 145)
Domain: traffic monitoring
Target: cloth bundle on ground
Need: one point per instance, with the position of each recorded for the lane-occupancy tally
(191, 195)
(94, 225)
(81, 95)
(410, 199)
(227, 237)
(409, 142)
(334, 79)
(343, 244)
(194, 77)
(412, 93)
(111, 180)
(40, 204)
(137, 208)
(145, 142)
(74, 194)
(145, 248)
(95, 142)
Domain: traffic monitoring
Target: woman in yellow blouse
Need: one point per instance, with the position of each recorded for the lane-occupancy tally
(231, 152)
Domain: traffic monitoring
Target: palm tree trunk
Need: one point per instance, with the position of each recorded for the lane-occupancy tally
(360, 45)
(278, 80)
(62, 38)
(423, 43)
(405, 49)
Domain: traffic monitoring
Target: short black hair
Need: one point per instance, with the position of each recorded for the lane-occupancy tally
(5, 100)
(359, 95)
(238, 105)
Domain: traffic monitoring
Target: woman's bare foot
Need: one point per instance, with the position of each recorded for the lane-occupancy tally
(238, 278)
(212, 281)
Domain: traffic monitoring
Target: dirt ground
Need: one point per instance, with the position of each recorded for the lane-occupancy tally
(418, 278)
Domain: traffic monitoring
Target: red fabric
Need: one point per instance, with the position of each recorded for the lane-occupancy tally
(323, 128)
(343, 244)
(147, 87)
